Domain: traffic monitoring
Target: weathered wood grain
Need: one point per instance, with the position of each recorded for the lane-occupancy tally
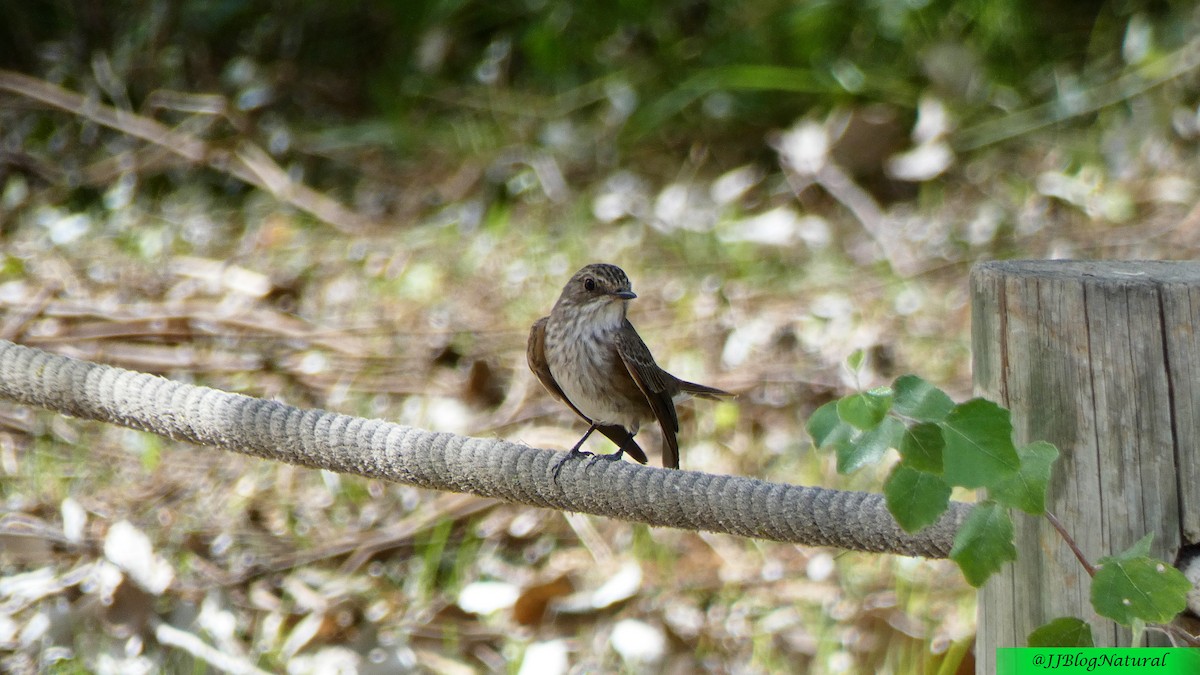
(1101, 359)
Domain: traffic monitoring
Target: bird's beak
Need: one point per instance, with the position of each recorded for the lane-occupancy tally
(625, 295)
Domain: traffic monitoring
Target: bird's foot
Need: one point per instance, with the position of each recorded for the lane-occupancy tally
(574, 453)
(611, 457)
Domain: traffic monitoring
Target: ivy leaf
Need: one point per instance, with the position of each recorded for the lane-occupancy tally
(921, 447)
(915, 498)
(825, 427)
(1026, 489)
(979, 448)
(855, 360)
(1132, 586)
(854, 448)
(865, 409)
(921, 401)
(1067, 631)
(984, 542)
(1140, 548)
(868, 447)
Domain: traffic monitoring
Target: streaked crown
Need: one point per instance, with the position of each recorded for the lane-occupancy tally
(598, 284)
(599, 279)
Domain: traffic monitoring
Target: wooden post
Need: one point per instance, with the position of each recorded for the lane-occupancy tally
(1102, 359)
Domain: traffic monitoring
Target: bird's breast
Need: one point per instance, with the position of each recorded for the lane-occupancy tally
(584, 361)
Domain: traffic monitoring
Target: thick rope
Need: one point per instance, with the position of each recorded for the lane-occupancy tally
(485, 467)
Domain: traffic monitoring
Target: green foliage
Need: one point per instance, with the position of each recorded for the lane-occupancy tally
(869, 432)
(865, 410)
(856, 359)
(984, 542)
(11, 267)
(431, 549)
(825, 426)
(765, 59)
(915, 498)
(1132, 586)
(68, 667)
(1067, 631)
(943, 445)
(1026, 489)
(979, 446)
(920, 400)
(921, 448)
(865, 447)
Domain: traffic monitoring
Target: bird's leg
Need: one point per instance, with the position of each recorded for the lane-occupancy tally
(575, 451)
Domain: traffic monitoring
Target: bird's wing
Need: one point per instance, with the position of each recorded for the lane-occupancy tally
(656, 384)
(535, 355)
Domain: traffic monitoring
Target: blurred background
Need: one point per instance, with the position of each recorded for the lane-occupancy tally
(363, 206)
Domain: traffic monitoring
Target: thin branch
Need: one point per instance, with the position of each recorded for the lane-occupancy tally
(249, 163)
(1062, 532)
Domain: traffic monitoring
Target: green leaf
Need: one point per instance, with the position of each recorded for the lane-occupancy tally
(921, 401)
(855, 360)
(984, 542)
(825, 426)
(1067, 631)
(921, 447)
(1140, 548)
(979, 449)
(1132, 586)
(865, 409)
(1026, 489)
(915, 498)
(867, 447)
(1138, 631)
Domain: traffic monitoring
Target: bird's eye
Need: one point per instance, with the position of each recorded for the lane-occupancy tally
(589, 284)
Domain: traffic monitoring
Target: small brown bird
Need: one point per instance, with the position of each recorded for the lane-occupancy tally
(588, 355)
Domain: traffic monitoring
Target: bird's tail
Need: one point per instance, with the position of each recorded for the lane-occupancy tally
(703, 391)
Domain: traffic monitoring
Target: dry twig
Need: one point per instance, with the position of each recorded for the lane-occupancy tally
(247, 163)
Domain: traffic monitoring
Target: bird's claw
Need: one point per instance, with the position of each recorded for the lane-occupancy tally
(611, 457)
(575, 452)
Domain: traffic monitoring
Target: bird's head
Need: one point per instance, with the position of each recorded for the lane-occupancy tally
(598, 288)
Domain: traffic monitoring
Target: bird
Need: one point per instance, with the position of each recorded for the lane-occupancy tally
(588, 355)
